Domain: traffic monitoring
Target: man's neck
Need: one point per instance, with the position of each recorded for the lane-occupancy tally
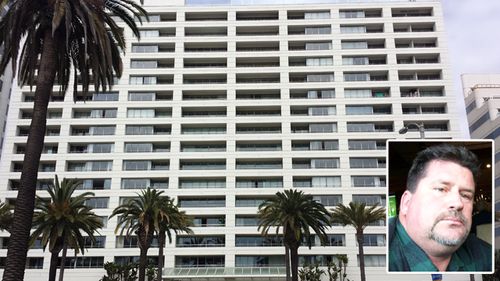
(440, 262)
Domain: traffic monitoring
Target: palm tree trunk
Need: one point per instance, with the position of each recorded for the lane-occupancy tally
(143, 261)
(161, 256)
(25, 201)
(287, 262)
(54, 256)
(359, 236)
(63, 262)
(294, 255)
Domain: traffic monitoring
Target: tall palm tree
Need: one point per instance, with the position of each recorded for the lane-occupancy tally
(5, 216)
(296, 213)
(175, 221)
(359, 216)
(59, 37)
(142, 216)
(61, 220)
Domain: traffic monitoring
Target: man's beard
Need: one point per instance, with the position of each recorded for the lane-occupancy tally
(447, 241)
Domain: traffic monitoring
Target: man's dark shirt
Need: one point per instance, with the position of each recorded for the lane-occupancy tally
(406, 255)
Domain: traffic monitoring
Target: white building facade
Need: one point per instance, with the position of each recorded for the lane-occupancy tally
(482, 101)
(222, 106)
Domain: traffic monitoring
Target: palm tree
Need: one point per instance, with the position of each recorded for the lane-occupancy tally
(359, 216)
(296, 213)
(142, 216)
(175, 221)
(59, 37)
(61, 220)
(5, 216)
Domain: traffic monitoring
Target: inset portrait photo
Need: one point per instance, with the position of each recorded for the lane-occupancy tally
(440, 216)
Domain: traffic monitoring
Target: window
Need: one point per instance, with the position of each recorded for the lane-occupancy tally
(368, 181)
(326, 181)
(318, 46)
(352, 14)
(142, 80)
(358, 110)
(136, 165)
(143, 64)
(328, 200)
(144, 48)
(319, 61)
(355, 61)
(112, 96)
(321, 94)
(366, 163)
(260, 261)
(246, 221)
(141, 96)
(202, 203)
(316, 15)
(200, 241)
(202, 183)
(357, 93)
(259, 183)
(141, 113)
(324, 145)
(350, 77)
(138, 147)
(139, 130)
(97, 202)
(370, 200)
(102, 130)
(354, 45)
(360, 127)
(374, 260)
(98, 243)
(84, 262)
(95, 184)
(320, 78)
(318, 30)
(322, 128)
(353, 29)
(322, 110)
(199, 261)
(374, 240)
(325, 163)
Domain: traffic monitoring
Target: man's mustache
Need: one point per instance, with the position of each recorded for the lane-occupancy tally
(453, 214)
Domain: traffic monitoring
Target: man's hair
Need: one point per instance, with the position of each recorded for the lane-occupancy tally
(444, 152)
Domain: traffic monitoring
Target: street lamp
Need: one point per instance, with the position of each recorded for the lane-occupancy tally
(420, 127)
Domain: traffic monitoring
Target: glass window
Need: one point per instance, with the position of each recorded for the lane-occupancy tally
(136, 165)
(138, 147)
(353, 29)
(360, 127)
(141, 96)
(357, 93)
(322, 128)
(354, 45)
(144, 48)
(320, 78)
(326, 181)
(374, 260)
(102, 130)
(317, 15)
(318, 46)
(139, 130)
(328, 200)
(112, 96)
(322, 110)
(318, 30)
(319, 61)
(140, 113)
(325, 163)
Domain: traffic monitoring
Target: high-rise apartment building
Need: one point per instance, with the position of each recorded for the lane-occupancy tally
(482, 101)
(223, 105)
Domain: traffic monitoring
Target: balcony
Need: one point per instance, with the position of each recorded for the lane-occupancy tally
(258, 46)
(204, 47)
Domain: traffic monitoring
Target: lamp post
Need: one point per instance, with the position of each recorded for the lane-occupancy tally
(419, 126)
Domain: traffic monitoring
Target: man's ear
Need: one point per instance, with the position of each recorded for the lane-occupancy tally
(405, 202)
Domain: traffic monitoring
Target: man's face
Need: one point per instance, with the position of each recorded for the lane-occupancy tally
(438, 214)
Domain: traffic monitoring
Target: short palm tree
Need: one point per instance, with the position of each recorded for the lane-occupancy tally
(142, 216)
(5, 216)
(296, 213)
(175, 221)
(61, 221)
(359, 216)
(53, 39)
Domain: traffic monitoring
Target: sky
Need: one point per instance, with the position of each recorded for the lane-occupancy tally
(473, 33)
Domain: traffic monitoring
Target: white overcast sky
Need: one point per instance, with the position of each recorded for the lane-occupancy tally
(473, 31)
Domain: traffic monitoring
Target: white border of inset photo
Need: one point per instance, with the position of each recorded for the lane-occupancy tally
(399, 178)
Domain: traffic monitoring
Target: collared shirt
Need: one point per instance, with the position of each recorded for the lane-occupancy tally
(406, 255)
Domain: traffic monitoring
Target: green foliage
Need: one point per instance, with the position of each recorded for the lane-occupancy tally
(117, 272)
(337, 271)
(6, 216)
(64, 218)
(311, 273)
(151, 272)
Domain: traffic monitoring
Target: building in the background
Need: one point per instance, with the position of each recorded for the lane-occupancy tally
(482, 101)
(5, 87)
(221, 106)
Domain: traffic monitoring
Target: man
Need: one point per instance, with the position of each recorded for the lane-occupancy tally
(431, 233)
